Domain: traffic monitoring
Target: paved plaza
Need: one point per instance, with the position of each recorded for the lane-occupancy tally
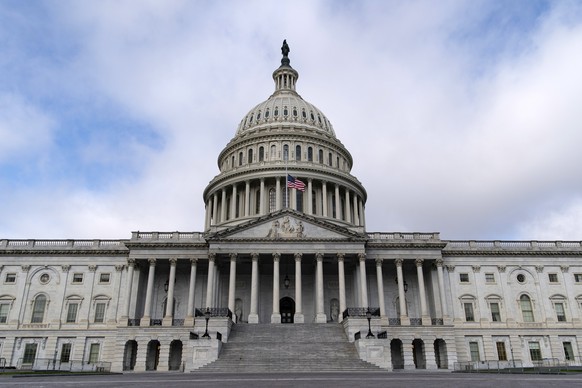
(335, 380)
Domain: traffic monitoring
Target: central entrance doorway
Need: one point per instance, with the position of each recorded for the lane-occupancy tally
(287, 309)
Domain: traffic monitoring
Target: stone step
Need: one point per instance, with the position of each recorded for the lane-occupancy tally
(288, 348)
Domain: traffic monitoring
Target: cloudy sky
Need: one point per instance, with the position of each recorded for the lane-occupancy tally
(463, 117)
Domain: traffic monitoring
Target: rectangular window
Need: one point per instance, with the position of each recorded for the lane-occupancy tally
(66, 352)
(560, 313)
(29, 353)
(474, 349)
(568, 351)
(535, 352)
(100, 312)
(490, 278)
(578, 277)
(464, 277)
(72, 312)
(94, 353)
(469, 316)
(553, 277)
(77, 278)
(104, 277)
(4, 307)
(495, 313)
(501, 353)
(10, 278)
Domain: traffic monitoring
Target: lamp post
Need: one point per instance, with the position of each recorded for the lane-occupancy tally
(207, 316)
(369, 317)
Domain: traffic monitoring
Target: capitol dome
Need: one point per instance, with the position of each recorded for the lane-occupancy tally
(284, 136)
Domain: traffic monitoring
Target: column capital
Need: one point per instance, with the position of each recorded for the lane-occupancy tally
(298, 256)
(450, 268)
(379, 262)
(211, 256)
(173, 261)
(65, 268)
(419, 262)
(361, 256)
(25, 268)
(131, 262)
(439, 262)
(152, 262)
(340, 256)
(92, 268)
(119, 267)
(276, 256)
(233, 256)
(319, 256)
(194, 261)
(255, 256)
(398, 262)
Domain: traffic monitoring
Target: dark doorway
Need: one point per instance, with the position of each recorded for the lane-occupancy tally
(396, 353)
(175, 360)
(153, 355)
(129, 355)
(287, 309)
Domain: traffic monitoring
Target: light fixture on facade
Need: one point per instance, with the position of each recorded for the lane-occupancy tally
(166, 285)
(405, 284)
(287, 281)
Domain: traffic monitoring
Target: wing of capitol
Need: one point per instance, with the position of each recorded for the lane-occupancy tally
(285, 277)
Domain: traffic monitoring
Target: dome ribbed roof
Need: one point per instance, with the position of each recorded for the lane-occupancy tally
(285, 106)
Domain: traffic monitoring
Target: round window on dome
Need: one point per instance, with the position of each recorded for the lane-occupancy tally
(276, 112)
(312, 117)
(267, 113)
(294, 112)
(521, 278)
(251, 120)
(319, 118)
(285, 112)
(304, 114)
(259, 116)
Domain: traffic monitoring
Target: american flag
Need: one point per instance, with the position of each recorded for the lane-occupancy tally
(294, 183)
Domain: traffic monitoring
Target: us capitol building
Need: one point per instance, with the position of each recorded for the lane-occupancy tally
(285, 266)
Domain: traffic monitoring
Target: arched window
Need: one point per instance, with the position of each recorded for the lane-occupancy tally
(250, 158)
(261, 153)
(232, 162)
(273, 152)
(272, 200)
(257, 202)
(299, 202)
(329, 159)
(240, 158)
(313, 202)
(285, 152)
(320, 156)
(337, 161)
(310, 154)
(298, 152)
(526, 308)
(38, 309)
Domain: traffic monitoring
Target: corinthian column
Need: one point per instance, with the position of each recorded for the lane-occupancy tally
(150, 289)
(380, 281)
(276, 315)
(320, 316)
(423, 306)
(444, 312)
(363, 281)
(404, 320)
(298, 317)
(232, 284)
(169, 313)
(210, 281)
(192, 287)
(253, 316)
(130, 269)
(342, 285)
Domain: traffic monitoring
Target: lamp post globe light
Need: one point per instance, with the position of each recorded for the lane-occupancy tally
(207, 317)
(369, 317)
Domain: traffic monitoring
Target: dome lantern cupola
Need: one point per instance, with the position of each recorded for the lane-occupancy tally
(285, 76)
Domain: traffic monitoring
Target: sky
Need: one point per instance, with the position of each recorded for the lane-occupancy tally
(462, 117)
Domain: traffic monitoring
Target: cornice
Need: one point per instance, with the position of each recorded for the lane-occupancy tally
(508, 252)
(63, 252)
(409, 244)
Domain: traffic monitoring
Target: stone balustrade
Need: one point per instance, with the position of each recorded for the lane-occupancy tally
(62, 244)
(404, 236)
(174, 236)
(513, 245)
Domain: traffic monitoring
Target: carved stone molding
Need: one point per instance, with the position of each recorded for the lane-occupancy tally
(539, 268)
(379, 262)
(92, 268)
(361, 256)
(565, 268)
(340, 256)
(211, 256)
(173, 261)
(25, 268)
(501, 268)
(418, 262)
(319, 256)
(298, 256)
(119, 267)
(255, 256)
(65, 268)
(399, 262)
(152, 262)
(476, 268)
(233, 256)
(450, 268)
(194, 261)
(276, 256)
(131, 262)
(439, 262)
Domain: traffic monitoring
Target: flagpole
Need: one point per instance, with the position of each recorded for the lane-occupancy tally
(286, 156)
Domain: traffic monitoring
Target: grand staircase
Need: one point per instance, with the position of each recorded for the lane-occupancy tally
(288, 348)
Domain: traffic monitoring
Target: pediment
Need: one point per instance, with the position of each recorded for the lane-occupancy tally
(288, 225)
